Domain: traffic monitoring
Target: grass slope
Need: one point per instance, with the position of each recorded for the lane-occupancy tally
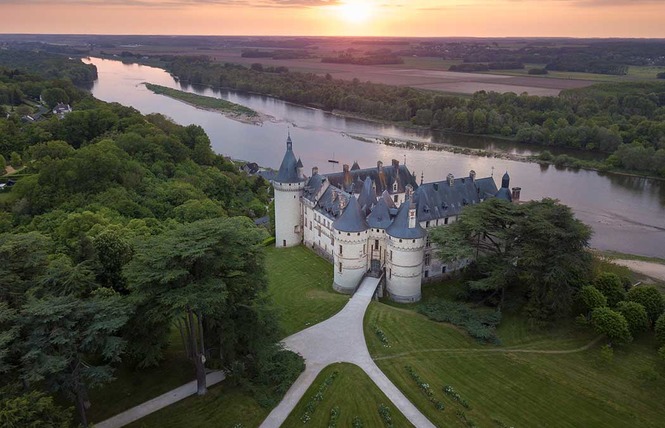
(300, 283)
(353, 392)
(518, 388)
(202, 101)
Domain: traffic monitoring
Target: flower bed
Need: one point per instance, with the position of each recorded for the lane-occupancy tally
(334, 417)
(317, 398)
(384, 412)
(357, 422)
(450, 392)
(382, 336)
(425, 388)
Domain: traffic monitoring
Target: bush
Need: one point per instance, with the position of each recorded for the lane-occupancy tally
(479, 323)
(635, 315)
(591, 298)
(546, 156)
(611, 286)
(612, 324)
(650, 298)
(660, 330)
(606, 354)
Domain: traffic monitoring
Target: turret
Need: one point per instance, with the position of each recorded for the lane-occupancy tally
(288, 184)
(350, 231)
(406, 244)
(504, 191)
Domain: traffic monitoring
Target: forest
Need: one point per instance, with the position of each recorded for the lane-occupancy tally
(122, 232)
(625, 121)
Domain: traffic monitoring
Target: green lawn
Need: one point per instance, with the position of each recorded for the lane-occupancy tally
(507, 388)
(353, 392)
(300, 283)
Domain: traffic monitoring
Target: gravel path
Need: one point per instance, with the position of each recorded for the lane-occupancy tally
(650, 269)
(340, 339)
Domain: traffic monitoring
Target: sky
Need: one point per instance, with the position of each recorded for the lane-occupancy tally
(479, 18)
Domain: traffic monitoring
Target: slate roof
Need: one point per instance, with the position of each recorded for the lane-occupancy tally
(504, 192)
(400, 226)
(380, 216)
(331, 202)
(288, 171)
(367, 197)
(383, 177)
(352, 219)
(313, 186)
(440, 199)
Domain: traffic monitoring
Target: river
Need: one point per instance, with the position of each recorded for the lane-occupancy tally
(626, 213)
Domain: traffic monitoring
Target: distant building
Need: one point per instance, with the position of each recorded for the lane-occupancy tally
(61, 110)
(250, 168)
(374, 220)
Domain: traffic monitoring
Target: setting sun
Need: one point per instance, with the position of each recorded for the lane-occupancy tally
(355, 11)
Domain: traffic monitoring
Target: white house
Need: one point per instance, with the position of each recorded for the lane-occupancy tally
(374, 220)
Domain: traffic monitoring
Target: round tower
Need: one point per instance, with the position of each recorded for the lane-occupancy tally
(350, 255)
(288, 184)
(404, 264)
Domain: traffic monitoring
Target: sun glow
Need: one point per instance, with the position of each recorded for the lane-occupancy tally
(355, 11)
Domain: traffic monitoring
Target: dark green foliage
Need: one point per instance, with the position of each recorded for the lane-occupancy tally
(32, 409)
(650, 298)
(611, 286)
(659, 328)
(112, 251)
(479, 323)
(635, 315)
(53, 96)
(539, 244)
(276, 371)
(591, 298)
(612, 324)
(49, 66)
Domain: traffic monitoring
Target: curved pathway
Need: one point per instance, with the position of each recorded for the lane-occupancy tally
(340, 339)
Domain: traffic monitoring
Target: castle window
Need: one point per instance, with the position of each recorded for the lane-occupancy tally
(396, 198)
(427, 223)
(376, 244)
(284, 243)
(340, 267)
(364, 249)
(391, 254)
(340, 250)
(428, 258)
(390, 273)
(428, 242)
(400, 240)
(319, 231)
(395, 187)
(445, 221)
(426, 274)
(443, 269)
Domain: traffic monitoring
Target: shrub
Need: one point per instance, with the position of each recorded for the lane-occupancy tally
(480, 324)
(315, 399)
(424, 387)
(612, 324)
(660, 330)
(635, 315)
(357, 422)
(384, 412)
(450, 391)
(606, 354)
(591, 298)
(334, 417)
(650, 298)
(611, 286)
(546, 156)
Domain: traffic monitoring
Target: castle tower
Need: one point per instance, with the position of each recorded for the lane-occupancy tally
(350, 255)
(404, 264)
(288, 184)
(504, 192)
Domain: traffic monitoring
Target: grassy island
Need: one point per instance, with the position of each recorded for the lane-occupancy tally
(201, 101)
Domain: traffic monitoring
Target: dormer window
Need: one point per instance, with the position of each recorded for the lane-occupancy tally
(395, 187)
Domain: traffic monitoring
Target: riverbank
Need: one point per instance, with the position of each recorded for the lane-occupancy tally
(228, 109)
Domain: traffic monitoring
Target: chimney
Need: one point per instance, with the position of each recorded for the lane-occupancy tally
(516, 194)
(451, 180)
(395, 163)
(379, 166)
(412, 215)
(342, 202)
(472, 175)
(348, 180)
(409, 190)
(315, 171)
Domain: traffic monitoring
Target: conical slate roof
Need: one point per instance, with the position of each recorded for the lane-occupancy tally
(288, 171)
(503, 192)
(400, 227)
(380, 216)
(367, 197)
(352, 219)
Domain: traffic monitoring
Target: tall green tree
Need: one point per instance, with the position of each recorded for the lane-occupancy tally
(32, 409)
(649, 297)
(193, 274)
(612, 324)
(69, 344)
(611, 286)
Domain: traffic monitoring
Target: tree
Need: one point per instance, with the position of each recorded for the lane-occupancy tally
(659, 328)
(611, 286)
(53, 96)
(112, 252)
(591, 298)
(635, 315)
(3, 165)
(539, 244)
(650, 298)
(33, 409)
(15, 160)
(70, 343)
(612, 324)
(193, 274)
